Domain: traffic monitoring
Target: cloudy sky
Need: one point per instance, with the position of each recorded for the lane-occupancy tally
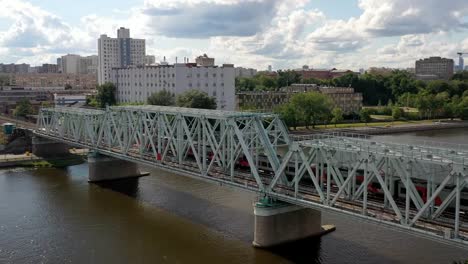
(251, 33)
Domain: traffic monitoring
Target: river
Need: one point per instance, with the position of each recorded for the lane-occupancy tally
(53, 215)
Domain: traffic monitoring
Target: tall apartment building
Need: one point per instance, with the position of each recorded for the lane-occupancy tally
(118, 52)
(434, 68)
(137, 83)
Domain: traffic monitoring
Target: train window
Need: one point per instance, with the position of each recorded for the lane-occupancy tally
(403, 190)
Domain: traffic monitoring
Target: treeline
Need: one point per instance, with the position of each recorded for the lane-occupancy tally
(433, 99)
(266, 82)
(106, 96)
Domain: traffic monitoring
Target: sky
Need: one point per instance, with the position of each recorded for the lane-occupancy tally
(343, 34)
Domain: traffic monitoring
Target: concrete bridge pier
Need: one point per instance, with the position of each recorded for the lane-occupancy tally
(105, 168)
(44, 147)
(279, 223)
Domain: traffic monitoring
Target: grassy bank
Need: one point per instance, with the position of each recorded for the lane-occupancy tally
(373, 124)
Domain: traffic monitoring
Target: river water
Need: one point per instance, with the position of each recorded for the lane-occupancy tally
(54, 216)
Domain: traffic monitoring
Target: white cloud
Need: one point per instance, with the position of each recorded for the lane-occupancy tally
(251, 33)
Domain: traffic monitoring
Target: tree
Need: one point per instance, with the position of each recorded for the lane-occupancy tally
(105, 95)
(337, 114)
(312, 107)
(196, 99)
(290, 115)
(286, 78)
(68, 86)
(163, 97)
(397, 113)
(23, 109)
(365, 115)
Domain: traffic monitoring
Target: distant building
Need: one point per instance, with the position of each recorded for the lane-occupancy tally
(118, 52)
(150, 60)
(44, 80)
(270, 69)
(66, 99)
(14, 68)
(71, 64)
(434, 68)
(10, 96)
(48, 68)
(461, 63)
(88, 64)
(323, 74)
(137, 83)
(343, 97)
(205, 61)
(383, 71)
(245, 72)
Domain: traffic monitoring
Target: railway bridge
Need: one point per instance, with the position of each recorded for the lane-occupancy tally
(410, 188)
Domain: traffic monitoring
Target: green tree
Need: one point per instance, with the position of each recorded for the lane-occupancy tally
(397, 113)
(313, 107)
(290, 115)
(196, 99)
(163, 97)
(23, 109)
(105, 95)
(365, 115)
(286, 78)
(337, 114)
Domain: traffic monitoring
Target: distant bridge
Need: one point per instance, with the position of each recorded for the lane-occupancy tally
(415, 189)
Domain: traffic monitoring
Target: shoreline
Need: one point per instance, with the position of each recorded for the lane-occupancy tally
(381, 130)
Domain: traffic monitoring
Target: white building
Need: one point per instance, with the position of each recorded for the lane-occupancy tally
(136, 84)
(120, 52)
(245, 72)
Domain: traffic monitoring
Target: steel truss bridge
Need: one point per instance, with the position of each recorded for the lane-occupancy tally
(253, 151)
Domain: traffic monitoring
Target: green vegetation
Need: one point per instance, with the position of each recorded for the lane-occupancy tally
(337, 114)
(306, 109)
(196, 99)
(264, 82)
(364, 115)
(433, 99)
(23, 109)
(397, 113)
(105, 96)
(163, 97)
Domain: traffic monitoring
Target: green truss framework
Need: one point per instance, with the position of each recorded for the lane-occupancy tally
(208, 144)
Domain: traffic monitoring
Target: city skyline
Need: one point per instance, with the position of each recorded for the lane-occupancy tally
(253, 33)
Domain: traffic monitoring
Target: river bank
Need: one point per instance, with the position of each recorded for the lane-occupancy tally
(31, 160)
(388, 129)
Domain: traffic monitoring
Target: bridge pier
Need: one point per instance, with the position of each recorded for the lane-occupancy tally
(105, 168)
(44, 147)
(278, 223)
